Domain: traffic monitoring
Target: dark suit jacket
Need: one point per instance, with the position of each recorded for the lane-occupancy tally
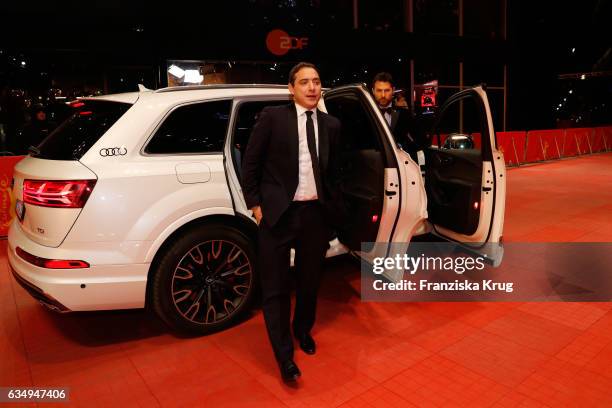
(394, 118)
(407, 130)
(270, 164)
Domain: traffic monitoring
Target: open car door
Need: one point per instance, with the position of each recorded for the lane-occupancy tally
(381, 185)
(465, 175)
(367, 167)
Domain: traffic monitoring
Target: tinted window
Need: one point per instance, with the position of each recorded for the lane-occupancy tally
(196, 128)
(248, 113)
(86, 125)
(460, 126)
(359, 132)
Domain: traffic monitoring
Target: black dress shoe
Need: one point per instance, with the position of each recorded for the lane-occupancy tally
(307, 343)
(289, 371)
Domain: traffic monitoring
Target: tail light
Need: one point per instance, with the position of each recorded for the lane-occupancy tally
(50, 263)
(63, 194)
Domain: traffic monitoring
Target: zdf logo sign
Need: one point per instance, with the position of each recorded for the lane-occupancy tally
(279, 42)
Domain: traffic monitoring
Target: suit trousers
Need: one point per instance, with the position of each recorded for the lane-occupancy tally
(302, 227)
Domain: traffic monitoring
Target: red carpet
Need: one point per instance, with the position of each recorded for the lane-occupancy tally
(369, 354)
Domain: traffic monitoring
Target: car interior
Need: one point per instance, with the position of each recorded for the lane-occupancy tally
(453, 175)
(361, 161)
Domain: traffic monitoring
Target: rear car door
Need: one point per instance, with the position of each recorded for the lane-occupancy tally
(465, 175)
(245, 112)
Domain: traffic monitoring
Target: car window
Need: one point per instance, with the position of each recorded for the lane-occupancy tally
(246, 117)
(359, 131)
(460, 127)
(194, 128)
(248, 113)
(85, 126)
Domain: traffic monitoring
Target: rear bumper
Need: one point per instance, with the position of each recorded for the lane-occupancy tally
(100, 287)
(37, 293)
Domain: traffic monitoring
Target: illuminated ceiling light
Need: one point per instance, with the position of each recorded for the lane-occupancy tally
(176, 71)
(571, 91)
(583, 76)
(23, 63)
(193, 76)
(573, 50)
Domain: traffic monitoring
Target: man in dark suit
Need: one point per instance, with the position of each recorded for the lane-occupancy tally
(383, 90)
(399, 118)
(291, 183)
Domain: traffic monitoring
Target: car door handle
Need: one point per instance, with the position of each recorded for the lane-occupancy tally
(390, 193)
(446, 160)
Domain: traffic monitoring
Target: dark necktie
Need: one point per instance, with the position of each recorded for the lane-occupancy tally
(312, 148)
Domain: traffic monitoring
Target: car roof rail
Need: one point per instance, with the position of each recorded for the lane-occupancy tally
(218, 86)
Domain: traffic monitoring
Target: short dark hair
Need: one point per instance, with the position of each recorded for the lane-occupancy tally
(383, 77)
(296, 68)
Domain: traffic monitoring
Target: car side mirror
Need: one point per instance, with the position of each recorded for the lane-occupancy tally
(459, 141)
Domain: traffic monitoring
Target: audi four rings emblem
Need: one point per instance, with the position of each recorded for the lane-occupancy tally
(113, 151)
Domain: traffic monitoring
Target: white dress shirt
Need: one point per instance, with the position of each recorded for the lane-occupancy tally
(307, 188)
(387, 115)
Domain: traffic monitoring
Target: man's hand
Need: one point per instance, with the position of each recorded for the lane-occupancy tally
(257, 214)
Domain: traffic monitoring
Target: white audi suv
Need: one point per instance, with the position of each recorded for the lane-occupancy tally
(135, 200)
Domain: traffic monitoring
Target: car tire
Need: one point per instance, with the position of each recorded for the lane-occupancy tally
(205, 280)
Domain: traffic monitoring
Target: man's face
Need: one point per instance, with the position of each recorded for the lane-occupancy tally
(306, 89)
(383, 93)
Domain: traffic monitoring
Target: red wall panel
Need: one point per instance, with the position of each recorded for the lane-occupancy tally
(512, 145)
(607, 138)
(570, 147)
(596, 139)
(550, 142)
(7, 201)
(533, 150)
(578, 137)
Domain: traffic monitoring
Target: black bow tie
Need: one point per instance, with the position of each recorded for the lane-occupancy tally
(386, 110)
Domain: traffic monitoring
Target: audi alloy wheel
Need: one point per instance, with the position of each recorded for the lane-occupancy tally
(205, 279)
